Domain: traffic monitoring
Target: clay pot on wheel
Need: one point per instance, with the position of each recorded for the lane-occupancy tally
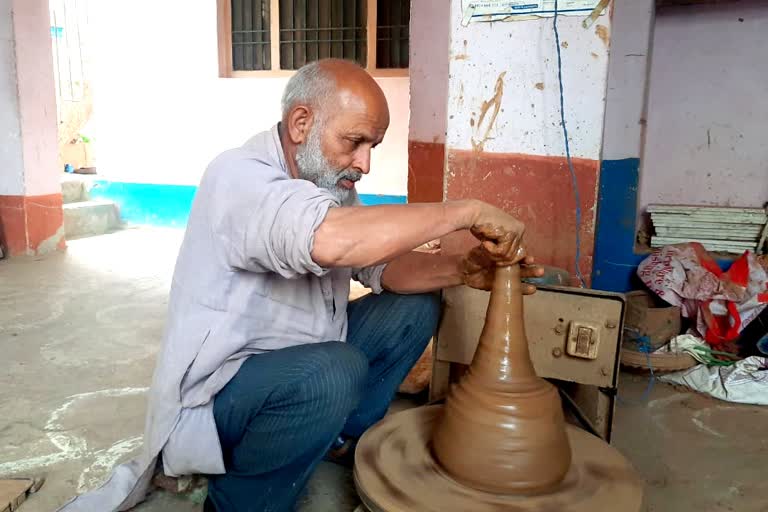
(502, 429)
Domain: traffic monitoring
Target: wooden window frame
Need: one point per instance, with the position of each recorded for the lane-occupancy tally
(224, 8)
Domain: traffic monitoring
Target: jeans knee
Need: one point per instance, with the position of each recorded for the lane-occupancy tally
(430, 305)
(337, 379)
(348, 360)
(424, 310)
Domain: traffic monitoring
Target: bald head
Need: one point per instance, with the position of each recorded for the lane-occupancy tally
(334, 114)
(322, 84)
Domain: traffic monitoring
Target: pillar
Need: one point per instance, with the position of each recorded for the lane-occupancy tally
(31, 216)
(504, 142)
(616, 257)
(428, 70)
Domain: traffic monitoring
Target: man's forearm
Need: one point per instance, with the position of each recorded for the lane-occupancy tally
(369, 235)
(420, 272)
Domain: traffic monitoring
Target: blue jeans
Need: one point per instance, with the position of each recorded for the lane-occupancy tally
(282, 411)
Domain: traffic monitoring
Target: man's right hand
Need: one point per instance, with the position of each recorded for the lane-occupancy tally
(500, 234)
(478, 270)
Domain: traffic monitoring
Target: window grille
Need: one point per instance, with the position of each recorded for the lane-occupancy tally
(392, 20)
(250, 35)
(283, 35)
(317, 29)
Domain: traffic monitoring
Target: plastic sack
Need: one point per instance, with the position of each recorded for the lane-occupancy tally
(720, 303)
(745, 382)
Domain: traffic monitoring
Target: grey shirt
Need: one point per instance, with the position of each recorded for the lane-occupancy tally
(245, 282)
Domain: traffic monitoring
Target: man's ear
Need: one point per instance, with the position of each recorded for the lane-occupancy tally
(299, 123)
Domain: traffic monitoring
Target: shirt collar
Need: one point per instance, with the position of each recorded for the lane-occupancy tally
(279, 148)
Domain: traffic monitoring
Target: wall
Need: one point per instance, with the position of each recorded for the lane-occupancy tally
(707, 109)
(685, 94)
(504, 141)
(72, 46)
(31, 217)
(429, 60)
(162, 112)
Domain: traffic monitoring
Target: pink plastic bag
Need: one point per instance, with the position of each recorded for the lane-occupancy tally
(722, 303)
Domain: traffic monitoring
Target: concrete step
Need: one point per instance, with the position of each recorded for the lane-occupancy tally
(75, 188)
(90, 218)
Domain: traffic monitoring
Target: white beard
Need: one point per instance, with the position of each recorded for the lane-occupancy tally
(313, 166)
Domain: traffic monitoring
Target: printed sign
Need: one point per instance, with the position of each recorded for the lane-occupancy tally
(515, 10)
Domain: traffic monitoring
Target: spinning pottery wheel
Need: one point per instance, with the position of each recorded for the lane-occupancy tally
(499, 443)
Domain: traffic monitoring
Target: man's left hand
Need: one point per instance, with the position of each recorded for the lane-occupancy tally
(478, 269)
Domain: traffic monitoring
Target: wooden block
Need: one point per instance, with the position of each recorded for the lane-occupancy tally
(13, 493)
(441, 379)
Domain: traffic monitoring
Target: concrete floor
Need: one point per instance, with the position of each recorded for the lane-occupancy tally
(79, 332)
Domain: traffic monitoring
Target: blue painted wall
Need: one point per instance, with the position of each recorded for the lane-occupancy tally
(615, 261)
(373, 199)
(169, 205)
(147, 203)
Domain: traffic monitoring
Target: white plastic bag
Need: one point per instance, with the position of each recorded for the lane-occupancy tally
(745, 382)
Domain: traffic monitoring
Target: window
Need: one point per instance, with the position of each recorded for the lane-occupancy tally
(275, 37)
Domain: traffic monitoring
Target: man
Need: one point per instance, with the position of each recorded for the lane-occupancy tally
(265, 367)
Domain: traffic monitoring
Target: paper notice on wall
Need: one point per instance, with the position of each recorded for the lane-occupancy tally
(517, 10)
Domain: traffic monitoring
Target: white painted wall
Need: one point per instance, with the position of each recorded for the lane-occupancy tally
(529, 120)
(163, 113)
(707, 140)
(11, 160)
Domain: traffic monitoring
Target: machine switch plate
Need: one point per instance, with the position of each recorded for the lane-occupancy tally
(583, 340)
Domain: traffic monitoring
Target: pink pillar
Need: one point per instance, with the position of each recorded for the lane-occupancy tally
(430, 41)
(31, 216)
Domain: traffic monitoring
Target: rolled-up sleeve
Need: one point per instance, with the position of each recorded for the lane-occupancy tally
(268, 220)
(370, 277)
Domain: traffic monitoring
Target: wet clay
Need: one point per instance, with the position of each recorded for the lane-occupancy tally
(396, 471)
(498, 444)
(502, 430)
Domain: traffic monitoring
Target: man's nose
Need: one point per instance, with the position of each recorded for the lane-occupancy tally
(363, 161)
